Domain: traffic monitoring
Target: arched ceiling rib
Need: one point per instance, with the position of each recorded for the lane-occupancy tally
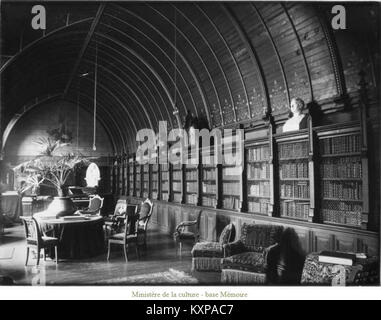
(226, 62)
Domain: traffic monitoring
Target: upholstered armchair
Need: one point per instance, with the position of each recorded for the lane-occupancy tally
(207, 256)
(248, 260)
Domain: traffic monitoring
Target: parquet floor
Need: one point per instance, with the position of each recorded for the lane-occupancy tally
(160, 257)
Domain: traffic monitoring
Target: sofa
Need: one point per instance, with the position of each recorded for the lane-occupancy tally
(251, 259)
(207, 256)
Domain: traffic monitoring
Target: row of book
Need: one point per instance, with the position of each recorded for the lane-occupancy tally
(155, 185)
(209, 188)
(209, 202)
(258, 171)
(258, 154)
(176, 186)
(261, 207)
(192, 199)
(165, 176)
(346, 168)
(261, 189)
(342, 190)
(352, 218)
(293, 209)
(209, 174)
(294, 170)
(231, 203)
(177, 198)
(192, 175)
(295, 189)
(155, 195)
(177, 175)
(342, 206)
(233, 173)
(165, 196)
(192, 187)
(165, 167)
(340, 145)
(293, 150)
(231, 189)
(165, 186)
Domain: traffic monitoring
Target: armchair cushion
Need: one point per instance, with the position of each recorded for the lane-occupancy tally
(185, 235)
(248, 262)
(234, 248)
(256, 238)
(144, 210)
(208, 250)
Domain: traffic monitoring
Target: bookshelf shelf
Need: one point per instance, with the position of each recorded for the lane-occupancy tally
(294, 179)
(341, 171)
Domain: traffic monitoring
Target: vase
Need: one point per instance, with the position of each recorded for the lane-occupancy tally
(62, 207)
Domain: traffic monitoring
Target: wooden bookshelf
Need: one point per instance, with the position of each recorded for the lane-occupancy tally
(131, 176)
(146, 181)
(139, 180)
(231, 190)
(258, 179)
(294, 176)
(165, 183)
(341, 172)
(155, 181)
(192, 184)
(177, 183)
(209, 185)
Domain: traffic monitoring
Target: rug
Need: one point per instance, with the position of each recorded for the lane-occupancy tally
(7, 254)
(170, 277)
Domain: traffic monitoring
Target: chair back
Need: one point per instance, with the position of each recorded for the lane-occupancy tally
(228, 234)
(120, 207)
(131, 225)
(32, 231)
(257, 237)
(96, 204)
(145, 214)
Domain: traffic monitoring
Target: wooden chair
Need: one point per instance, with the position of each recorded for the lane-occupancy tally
(130, 235)
(183, 234)
(95, 206)
(145, 215)
(37, 240)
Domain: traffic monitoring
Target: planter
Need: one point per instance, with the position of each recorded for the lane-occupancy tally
(61, 207)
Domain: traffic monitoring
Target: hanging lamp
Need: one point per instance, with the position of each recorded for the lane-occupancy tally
(95, 98)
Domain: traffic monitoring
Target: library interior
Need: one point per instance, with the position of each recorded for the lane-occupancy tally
(284, 189)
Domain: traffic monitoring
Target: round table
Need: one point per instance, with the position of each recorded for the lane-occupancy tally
(79, 238)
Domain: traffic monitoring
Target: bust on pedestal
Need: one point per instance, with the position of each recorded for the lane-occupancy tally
(298, 120)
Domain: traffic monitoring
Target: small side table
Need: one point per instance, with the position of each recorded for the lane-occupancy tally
(364, 272)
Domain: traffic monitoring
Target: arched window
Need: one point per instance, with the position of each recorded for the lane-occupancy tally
(93, 175)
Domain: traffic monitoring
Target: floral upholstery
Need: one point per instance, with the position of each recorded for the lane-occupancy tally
(250, 253)
(249, 261)
(363, 272)
(206, 256)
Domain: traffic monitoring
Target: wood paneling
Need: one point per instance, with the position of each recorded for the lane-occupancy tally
(312, 237)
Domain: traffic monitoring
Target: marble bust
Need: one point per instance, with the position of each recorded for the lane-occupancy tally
(298, 120)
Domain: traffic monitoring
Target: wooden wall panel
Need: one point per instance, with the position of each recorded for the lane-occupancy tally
(312, 237)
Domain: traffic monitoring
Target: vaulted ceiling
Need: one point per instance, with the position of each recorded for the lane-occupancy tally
(226, 62)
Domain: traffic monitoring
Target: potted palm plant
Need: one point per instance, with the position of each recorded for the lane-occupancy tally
(53, 170)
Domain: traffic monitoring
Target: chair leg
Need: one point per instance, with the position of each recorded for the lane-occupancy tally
(125, 252)
(56, 252)
(27, 256)
(181, 249)
(45, 254)
(109, 251)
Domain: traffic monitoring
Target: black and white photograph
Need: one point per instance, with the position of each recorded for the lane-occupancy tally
(190, 144)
